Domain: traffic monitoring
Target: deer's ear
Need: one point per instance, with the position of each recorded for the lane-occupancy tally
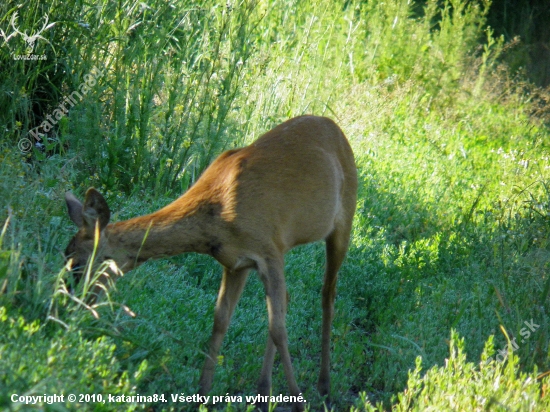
(75, 209)
(95, 208)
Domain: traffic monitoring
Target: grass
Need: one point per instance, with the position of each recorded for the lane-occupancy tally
(442, 300)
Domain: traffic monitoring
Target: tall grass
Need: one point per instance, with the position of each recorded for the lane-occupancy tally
(524, 23)
(451, 228)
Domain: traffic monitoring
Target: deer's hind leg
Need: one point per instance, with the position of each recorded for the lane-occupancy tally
(336, 247)
(272, 276)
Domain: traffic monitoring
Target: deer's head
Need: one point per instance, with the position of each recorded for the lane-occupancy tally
(91, 217)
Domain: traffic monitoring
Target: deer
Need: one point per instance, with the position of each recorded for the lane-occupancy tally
(294, 185)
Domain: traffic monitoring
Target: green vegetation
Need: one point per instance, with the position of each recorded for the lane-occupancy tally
(442, 301)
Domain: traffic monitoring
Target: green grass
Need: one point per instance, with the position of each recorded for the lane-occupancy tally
(450, 249)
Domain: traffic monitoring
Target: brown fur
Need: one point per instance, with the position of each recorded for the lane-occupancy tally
(296, 184)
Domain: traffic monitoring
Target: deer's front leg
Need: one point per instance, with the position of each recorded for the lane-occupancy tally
(264, 384)
(230, 291)
(276, 297)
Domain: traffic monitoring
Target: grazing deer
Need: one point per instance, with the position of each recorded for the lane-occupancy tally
(296, 184)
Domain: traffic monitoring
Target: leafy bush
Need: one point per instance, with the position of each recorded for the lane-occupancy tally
(461, 385)
(35, 359)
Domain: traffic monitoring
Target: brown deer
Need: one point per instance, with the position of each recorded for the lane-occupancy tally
(296, 184)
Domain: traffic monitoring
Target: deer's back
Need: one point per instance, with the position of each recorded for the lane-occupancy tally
(292, 185)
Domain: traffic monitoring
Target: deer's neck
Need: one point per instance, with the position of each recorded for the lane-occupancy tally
(175, 229)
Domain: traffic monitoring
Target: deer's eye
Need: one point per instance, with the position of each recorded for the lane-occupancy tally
(77, 267)
(69, 251)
